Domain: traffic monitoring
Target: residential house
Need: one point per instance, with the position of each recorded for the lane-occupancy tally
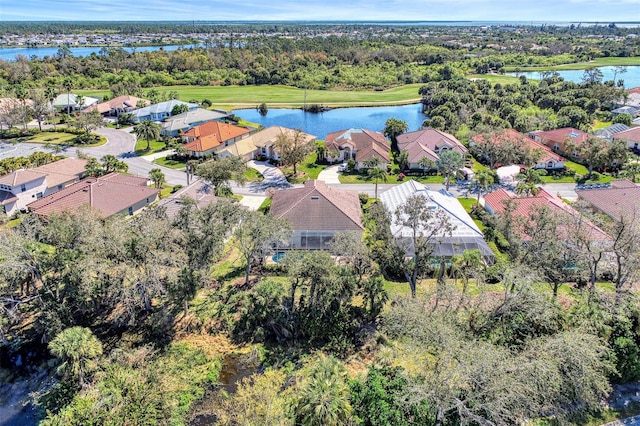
(631, 137)
(109, 195)
(265, 140)
(316, 213)
(559, 140)
(608, 132)
(73, 102)
(24, 186)
(428, 143)
(211, 137)
(465, 234)
(118, 105)
(620, 199)
(159, 111)
(548, 160)
(180, 123)
(359, 145)
(522, 207)
(200, 192)
(632, 99)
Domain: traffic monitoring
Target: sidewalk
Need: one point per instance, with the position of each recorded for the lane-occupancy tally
(157, 155)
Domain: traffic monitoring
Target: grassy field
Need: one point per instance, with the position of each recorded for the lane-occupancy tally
(229, 97)
(155, 146)
(356, 177)
(172, 164)
(495, 78)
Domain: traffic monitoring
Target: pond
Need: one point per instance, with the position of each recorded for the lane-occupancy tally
(9, 53)
(631, 77)
(320, 124)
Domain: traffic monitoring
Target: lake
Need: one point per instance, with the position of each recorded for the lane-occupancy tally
(319, 124)
(631, 77)
(9, 53)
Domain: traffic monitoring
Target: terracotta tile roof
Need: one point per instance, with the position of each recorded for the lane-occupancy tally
(631, 135)
(318, 207)
(373, 144)
(211, 135)
(431, 139)
(561, 135)
(524, 206)
(512, 136)
(634, 90)
(109, 195)
(621, 199)
(124, 102)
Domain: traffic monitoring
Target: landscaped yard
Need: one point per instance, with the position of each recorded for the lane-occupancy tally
(356, 177)
(307, 169)
(53, 138)
(172, 164)
(155, 146)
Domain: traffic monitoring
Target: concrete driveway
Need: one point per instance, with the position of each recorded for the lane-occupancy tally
(273, 178)
(330, 175)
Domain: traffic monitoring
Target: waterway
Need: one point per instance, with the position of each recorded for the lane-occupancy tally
(319, 124)
(631, 77)
(10, 53)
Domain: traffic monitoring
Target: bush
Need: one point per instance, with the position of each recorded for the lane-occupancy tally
(351, 165)
(364, 198)
(176, 188)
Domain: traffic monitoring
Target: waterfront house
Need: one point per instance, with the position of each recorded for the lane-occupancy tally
(359, 145)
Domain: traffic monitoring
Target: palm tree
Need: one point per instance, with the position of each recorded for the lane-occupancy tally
(483, 179)
(157, 177)
(77, 347)
(377, 174)
(449, 163)
(50, 94)
(323, 399)
(68, 86)
(529, 181)
(147, 130)
(425, 163)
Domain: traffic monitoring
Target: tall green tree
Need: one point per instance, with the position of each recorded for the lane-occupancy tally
(292, 148)
(219, 173)
(157, 177)
(394, 127)
(147, 130)
(448, 164)
(376, 174)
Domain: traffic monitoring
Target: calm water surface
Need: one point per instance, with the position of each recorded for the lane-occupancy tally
(631, 77)
(9, 53)
(319, 124)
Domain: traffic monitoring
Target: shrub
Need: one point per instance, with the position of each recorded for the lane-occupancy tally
(351, 165)
(364, 198)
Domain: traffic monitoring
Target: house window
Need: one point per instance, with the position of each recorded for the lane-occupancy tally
(574, 154)
(39, 195)
(556, 147)
(60, 187)
(130, 211)
(550, 165)
(23, 187)
(147, 201)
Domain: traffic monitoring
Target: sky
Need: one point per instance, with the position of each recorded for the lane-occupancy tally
(313, 10)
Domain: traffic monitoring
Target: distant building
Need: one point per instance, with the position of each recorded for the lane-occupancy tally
(118, 105)
(73, 102)
(159, 111)
(109, 195)
(428, 143)
(559, 139)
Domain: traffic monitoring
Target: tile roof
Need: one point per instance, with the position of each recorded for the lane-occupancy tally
(211, 135)
(431, 139)
(465, 233)
(630, 135)
(524, 206)
(21, 176)
(239, 149)
(267, 137)
(621, 199)
(186, 119)
(318, 207)
(161, 108)
(512, 136)
(560, 135)
(124, 102)
(198, 191)
(63, 170)
(108, 195)
(373, 144)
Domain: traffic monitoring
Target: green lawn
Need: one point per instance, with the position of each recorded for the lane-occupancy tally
(495, 78)
(155, 146)
(356, 177)
(172, 164)
(597, 124)
(285, 96)
(53, 138)
(252, 175)
(307, 169)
